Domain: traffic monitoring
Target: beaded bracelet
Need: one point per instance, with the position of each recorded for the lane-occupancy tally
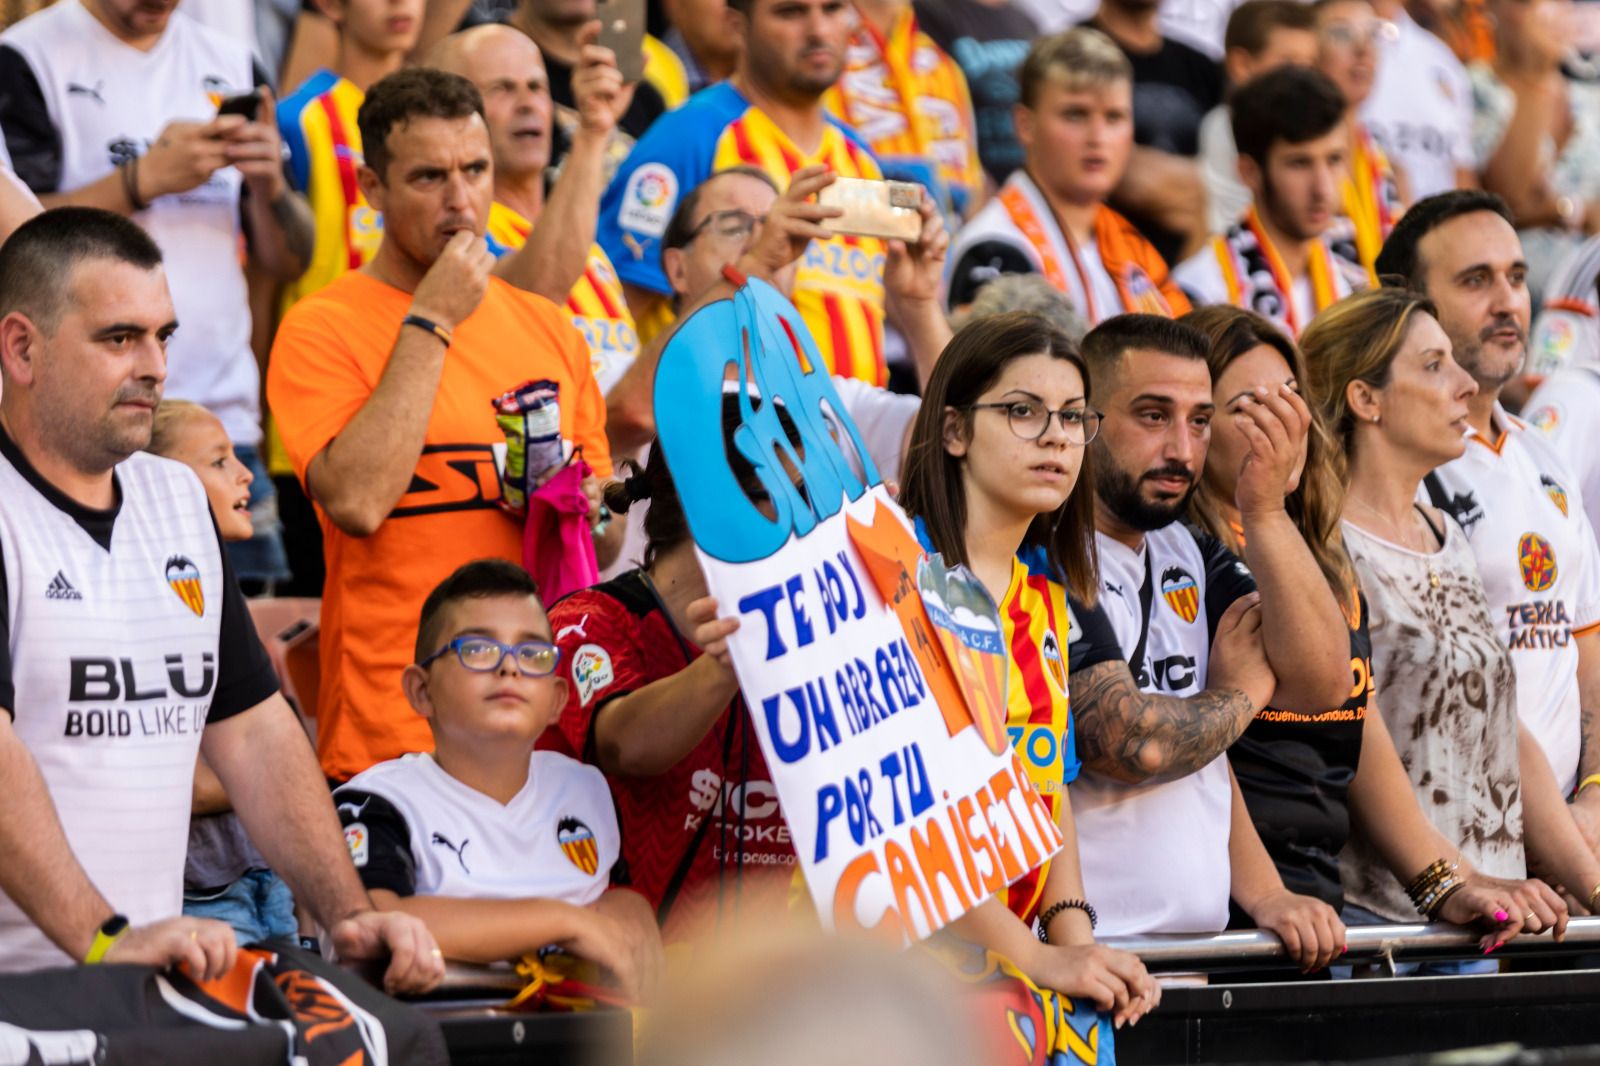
(1431, 906)
(1427, 885)
(1056, 908)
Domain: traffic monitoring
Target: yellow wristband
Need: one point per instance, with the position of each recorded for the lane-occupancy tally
(1592, 779)
(108, 934)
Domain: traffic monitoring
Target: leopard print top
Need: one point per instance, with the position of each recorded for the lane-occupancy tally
(1445, 687)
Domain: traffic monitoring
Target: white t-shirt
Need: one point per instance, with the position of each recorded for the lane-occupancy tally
(1420, 109)
(106, 101)
(1565, 407)
(1447, 691)
(1155, 856)
(1522, 512)
(416, 831)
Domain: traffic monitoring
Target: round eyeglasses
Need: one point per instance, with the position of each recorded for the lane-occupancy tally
(534, 658)
(1031, 421)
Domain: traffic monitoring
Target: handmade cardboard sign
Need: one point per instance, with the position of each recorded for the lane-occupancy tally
(874, 677)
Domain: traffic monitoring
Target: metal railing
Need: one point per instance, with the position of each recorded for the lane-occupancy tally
(1208, 951)
(1367, 943)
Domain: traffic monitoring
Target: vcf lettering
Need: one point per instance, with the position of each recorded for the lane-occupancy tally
(1173, 674)
(104, 680)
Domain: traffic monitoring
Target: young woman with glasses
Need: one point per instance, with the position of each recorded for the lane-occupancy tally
(995, 478)
(1306, 773)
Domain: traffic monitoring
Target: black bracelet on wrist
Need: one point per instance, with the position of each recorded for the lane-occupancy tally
(429, 325)
(1056, 908)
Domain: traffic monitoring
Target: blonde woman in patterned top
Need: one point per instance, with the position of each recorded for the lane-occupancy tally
(1381, 370)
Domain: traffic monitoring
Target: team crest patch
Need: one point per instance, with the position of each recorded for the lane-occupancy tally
(1538, 562)
(1553, 489)
(1180, 592)
(1054, 665)
(648, 199)
(578, 845)
(355, 838)
(1546, 418)
(591, 671)
(184, 577)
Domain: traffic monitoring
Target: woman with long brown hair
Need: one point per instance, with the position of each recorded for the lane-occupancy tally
(997, 478)
(1393, 401)
(1307, 773)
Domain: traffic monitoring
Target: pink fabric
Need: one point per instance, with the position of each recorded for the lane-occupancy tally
(557, 547)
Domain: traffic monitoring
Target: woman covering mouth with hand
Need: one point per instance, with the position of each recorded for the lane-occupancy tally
(1313, 778)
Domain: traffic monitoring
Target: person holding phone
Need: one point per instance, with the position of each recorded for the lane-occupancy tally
(102, 107)
(557, 27)
(770, 115)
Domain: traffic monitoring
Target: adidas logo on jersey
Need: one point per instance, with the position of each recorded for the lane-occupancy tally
(61, 589)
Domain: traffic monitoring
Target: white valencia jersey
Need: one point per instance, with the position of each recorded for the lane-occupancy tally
(1155, 856)
(114, 662)
(1566, 331)
(108, 101)
(416, 831)
(1564, 408)
(1522, 512)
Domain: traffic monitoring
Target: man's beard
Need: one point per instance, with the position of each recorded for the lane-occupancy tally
(1469, 351)
(1119, 491)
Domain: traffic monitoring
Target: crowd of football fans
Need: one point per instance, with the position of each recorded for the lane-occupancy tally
(1247, 353)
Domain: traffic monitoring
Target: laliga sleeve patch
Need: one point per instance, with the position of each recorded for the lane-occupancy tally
(648, 200)
(591, 671)
(357, 840)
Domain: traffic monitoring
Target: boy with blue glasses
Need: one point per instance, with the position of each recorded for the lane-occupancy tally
(503, 850)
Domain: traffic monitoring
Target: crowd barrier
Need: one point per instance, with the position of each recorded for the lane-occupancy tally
(1523, 1018)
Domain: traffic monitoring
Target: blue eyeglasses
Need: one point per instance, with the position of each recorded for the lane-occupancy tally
(535, 658)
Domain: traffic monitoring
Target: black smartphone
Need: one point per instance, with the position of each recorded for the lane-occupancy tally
(247, 105)
(622, 24)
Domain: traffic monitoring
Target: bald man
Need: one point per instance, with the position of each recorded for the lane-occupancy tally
(545, 243)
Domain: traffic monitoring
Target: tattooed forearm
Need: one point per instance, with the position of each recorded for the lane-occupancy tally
(1134, 736)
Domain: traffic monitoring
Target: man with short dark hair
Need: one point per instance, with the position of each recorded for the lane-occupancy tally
(1517, 501)
(1157, 807)
(769, 114)
(125, 646)
(383, 384)
(1262, 35)
(1277, 260)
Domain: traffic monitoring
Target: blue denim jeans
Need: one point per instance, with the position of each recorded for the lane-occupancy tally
(259, 906)
(1353, 916)
(261, 558)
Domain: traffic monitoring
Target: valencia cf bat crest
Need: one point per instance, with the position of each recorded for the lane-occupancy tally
(1181, 592)
(184, 578)
(578, 844)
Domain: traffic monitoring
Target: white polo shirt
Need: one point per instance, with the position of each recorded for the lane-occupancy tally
(1155, 856)
(1522, 511)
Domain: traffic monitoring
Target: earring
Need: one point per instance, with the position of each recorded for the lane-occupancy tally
(1376, 418)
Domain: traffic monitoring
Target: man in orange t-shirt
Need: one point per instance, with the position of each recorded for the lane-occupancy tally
(382, 385)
